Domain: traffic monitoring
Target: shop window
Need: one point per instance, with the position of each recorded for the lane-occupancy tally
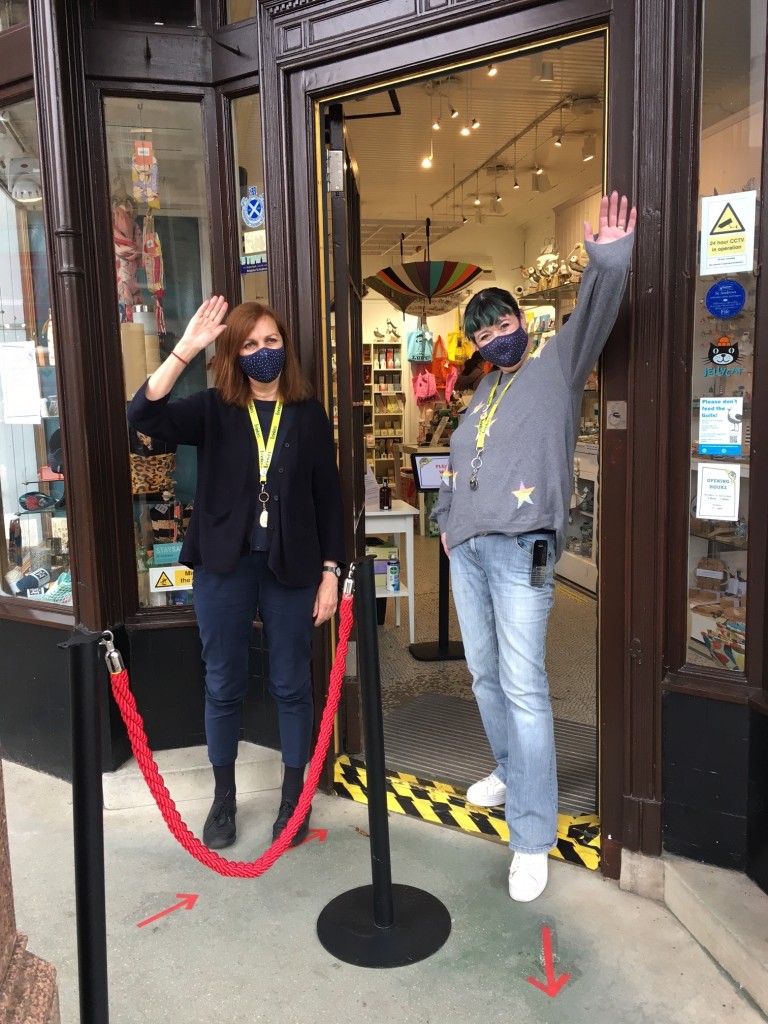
(249, 163)
(162, 274)
(34, 553)
(240, 10)
(149, 12)
(724, 339)
(12, 13)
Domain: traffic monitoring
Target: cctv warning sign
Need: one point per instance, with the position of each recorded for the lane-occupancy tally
(728, 233)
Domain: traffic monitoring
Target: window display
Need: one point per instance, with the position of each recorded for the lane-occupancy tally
(162, 274)
(34, 555)
(723, 347)
(249, 162)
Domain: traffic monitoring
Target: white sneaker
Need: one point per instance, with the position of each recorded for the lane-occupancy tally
(528, 876)
(488, 792)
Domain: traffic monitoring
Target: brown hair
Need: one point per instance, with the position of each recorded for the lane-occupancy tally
(230, 380)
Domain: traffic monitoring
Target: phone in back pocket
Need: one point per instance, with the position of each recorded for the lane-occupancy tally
(539, 563)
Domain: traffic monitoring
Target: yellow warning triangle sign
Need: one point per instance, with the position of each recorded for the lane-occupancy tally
(727, 223)
(163, 580)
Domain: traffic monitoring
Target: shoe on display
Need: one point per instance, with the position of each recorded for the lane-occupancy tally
(392, 329)
(219, 830)
(528, 876)
(488, 792)
(377, 334)
(283, 817)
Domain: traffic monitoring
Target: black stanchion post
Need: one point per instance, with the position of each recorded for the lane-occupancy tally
(379, 925)
(444, 649)
(88, 820)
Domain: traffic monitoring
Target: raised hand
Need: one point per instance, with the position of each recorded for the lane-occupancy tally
(205, 326)
(613, 221)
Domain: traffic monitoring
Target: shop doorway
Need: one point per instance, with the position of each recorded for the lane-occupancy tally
(492, 166)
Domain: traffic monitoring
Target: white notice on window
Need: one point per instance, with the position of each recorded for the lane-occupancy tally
(717, 494)
(21, 389)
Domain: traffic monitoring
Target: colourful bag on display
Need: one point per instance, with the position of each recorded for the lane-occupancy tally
(450, 382)
(419, 349)
(424, 387)
(440, 362)
(459, 349)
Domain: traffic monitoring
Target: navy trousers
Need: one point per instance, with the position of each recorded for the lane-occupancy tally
(226, 605)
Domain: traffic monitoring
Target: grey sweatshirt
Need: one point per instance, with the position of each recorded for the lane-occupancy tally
(526, 479)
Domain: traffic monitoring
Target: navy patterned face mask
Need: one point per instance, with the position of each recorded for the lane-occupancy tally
(264, 365)
(506, 349)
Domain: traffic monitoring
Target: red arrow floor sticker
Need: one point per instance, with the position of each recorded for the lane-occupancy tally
(188, 900)
(321, 834)
(553, 985)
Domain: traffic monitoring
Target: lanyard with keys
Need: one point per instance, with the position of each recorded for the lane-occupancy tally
(484, 424)
(266, 452)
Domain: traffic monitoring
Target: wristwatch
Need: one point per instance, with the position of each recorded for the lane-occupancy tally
(334, 569)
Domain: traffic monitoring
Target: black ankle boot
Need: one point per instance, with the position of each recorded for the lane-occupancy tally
(219, 830)
(283, 816)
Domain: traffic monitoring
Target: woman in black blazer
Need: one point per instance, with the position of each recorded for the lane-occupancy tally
(266, 533)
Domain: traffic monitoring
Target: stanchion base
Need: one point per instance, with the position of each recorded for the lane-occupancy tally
(454, 651)
(346, 928)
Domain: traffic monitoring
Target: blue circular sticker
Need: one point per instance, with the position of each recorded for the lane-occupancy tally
(725, 299)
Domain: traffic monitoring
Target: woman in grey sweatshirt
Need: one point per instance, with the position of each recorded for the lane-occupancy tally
(502, 513)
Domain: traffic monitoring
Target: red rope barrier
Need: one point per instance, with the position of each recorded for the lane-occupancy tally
(236, 869)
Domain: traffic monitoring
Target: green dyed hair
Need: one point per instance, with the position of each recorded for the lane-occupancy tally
(486, 308)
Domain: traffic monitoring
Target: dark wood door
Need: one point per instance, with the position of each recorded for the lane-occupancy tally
(347, 318)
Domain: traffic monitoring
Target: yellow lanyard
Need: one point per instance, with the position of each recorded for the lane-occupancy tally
(266, 451)
(486, 416)
(485, 421)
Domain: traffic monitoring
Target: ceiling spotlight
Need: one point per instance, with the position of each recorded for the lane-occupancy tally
(426, 163)
(516, 185)
(463, 219)
(436, 124)
(588, 149)
(492, 70)
(558, 141)
(477, 201)
(465, 130)
(498, 198)
(454, 112)
(547, 71)
(538, 169)
(475, 123)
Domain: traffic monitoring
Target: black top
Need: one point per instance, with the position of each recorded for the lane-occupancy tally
(305, 501)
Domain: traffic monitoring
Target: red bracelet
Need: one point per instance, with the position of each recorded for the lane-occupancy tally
(179, 358)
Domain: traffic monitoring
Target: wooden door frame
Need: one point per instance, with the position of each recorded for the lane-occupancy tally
(308, 53)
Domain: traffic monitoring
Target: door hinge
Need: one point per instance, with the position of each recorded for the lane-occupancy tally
(335, 170)
(636, 651)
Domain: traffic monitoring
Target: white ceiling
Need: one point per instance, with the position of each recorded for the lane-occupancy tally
(395, 190)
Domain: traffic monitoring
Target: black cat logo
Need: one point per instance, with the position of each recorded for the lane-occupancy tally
(724, 352)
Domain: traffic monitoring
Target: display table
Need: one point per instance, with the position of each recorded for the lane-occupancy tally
(398, 519)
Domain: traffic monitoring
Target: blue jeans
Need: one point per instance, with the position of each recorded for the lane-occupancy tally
(226, 605)
(503, 623)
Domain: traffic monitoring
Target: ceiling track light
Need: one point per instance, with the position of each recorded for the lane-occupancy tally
(538, 169)
(498, 198)
(436, 124)
(465, 131)
(492, 70)
(454, 112)
(516, 185)
(475, 123)
(558, 141)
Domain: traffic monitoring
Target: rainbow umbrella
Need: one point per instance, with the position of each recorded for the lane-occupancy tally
(428, 287)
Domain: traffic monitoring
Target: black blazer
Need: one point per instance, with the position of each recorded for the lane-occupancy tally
(305, 496)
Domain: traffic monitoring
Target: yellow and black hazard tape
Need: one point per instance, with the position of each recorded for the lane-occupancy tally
(578, 837)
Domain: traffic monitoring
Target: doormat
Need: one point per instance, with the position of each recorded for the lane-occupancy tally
(441, 737)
